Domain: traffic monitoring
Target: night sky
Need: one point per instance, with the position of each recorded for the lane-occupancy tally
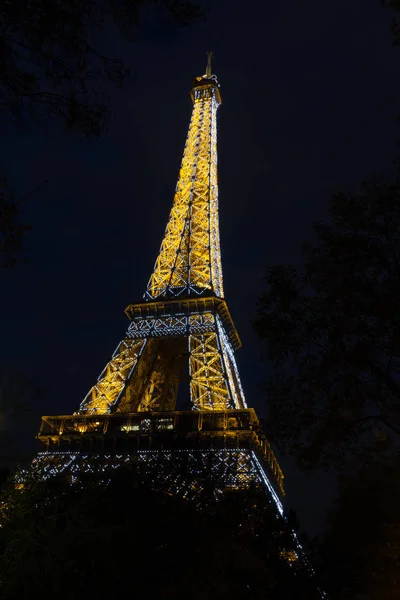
(310, 96)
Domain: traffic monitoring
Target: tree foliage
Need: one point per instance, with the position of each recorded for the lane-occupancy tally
(11, 229)
(21, 402)
(50, 66)
(116, 536)
(332, 330)
(359, 557)
(394, 5)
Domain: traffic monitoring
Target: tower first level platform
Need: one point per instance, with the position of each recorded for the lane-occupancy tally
(235, 436)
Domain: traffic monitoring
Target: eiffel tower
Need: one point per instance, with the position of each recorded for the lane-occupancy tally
(180, 334)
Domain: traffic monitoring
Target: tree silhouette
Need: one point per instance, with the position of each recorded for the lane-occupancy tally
(332, 331)
(106, 538)
(360, 553)
(394, 5)
(21, 399)
(50, 67)
(11, 230)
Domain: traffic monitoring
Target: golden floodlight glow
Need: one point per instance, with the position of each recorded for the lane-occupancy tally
(144, 371)
(181, 336)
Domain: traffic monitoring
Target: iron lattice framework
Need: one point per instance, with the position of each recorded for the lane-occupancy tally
(181, 331)
(232, 438)
(189, 262)
(184, 296)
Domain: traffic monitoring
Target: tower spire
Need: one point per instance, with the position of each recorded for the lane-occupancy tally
(189, 260)
(208, 68)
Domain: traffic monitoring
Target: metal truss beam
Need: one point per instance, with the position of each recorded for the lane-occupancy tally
(189, 262)
(175, 471)
(224, 429)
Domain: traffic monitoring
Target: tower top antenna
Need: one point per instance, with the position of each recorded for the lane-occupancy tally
(208, 69)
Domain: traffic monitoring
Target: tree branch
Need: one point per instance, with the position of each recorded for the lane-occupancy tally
(391, 384)
(389, 241)
(374, 418)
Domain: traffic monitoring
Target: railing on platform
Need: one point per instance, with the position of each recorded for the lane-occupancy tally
(203, 429)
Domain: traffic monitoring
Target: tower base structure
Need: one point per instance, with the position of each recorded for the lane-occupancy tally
(189, 454)
(174, 448)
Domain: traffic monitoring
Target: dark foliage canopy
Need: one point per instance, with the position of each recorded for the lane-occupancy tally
(332, 331)
(118, 537)
(395, 6)
(359, 557)
(11, 228)
(50, 67)
(49, 64)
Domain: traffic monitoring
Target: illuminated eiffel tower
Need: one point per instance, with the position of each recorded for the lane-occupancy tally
(181, 331)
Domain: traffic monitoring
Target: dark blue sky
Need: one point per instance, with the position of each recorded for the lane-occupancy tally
(310, 95)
